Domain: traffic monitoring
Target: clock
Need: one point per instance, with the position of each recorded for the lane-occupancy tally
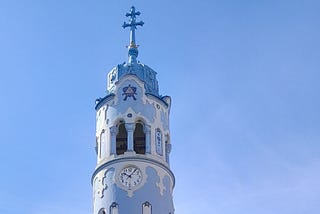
(130, 176)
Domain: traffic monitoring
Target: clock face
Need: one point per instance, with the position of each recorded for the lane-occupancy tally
(130, 176)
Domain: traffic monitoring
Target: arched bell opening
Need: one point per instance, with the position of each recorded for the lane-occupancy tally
(121, 139)
(139, 138)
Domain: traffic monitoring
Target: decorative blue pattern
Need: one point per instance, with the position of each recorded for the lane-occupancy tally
(143, 72)
(129, 91)
(149, 192)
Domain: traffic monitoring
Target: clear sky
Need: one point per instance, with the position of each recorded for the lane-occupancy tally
(243, 76)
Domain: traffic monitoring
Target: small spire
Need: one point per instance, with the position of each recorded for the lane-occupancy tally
(132, 48)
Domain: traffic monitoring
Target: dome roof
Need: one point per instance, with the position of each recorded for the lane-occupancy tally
(142, 71)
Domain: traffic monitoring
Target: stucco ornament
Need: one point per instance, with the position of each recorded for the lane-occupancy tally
(100, 186)
(160, 184)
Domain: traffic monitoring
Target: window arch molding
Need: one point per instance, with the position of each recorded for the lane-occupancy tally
(140, 120)
(118, 121)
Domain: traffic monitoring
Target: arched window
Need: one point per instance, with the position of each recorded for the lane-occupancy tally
(121, 140)
(114, 208)
(139, 139)
(102, 211)
(146, 208)
(102, 144)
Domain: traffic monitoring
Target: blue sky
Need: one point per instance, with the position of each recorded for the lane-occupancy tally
(243, 76)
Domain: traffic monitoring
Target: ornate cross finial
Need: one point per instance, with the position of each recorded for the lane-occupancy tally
(133, 51)
(132, 24)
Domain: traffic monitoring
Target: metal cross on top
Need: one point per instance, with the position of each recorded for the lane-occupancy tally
(132, 24)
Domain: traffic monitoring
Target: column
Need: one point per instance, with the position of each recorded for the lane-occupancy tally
(147, 131)
(130, 129)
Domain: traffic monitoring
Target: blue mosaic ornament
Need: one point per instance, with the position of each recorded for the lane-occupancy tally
(129, 91)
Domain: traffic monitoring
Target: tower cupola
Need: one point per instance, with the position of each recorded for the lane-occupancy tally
(133, 67)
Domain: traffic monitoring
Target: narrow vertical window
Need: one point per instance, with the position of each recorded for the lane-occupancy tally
(121, 140)
(102, 211)
(167, 149)
(158, 139)
(97, 145)
(146, 208)
(102, 144)
(139, 139)
(105, 115)
(114, 208)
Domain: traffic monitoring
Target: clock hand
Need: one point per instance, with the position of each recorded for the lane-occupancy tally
(132, 172)
(125, 174)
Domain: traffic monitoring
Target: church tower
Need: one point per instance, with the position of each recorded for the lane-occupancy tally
(133, 145)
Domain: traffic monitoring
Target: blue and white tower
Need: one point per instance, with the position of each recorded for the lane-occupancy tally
(133, 145)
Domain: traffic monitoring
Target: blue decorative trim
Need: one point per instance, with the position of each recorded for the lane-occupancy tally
(128, 159)
(101, 101)
(143, 72)
(159, 98)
